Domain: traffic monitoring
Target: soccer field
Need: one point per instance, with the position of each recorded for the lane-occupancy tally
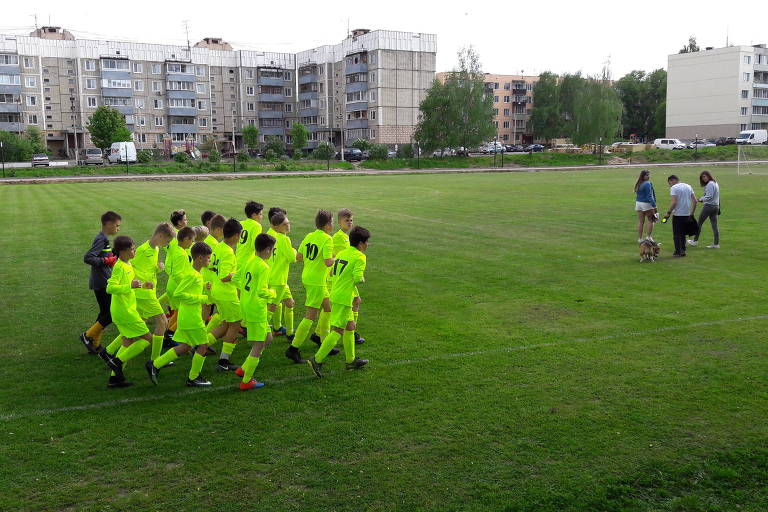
(522, 358)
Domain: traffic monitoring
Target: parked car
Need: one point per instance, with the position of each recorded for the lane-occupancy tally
(668, 144)
(701, 143)
(40, 159)
(516, 148)
(534, 148)
(391, 154)
(122, 152)
(462, 151)
(752, 137)
(91, 156)
(350, 155)
(442, 152)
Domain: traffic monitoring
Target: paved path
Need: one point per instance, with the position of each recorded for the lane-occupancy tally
(336, 172)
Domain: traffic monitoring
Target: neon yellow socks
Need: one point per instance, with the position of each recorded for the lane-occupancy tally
(226, 350)
(302, 332)
(170, 355)
(212, 340)
(214, 322)
(277, 317)
(157, 346)
(288, 320)
(113, 347)
(348, 338)
(323, 324)
(329, 342)
(249, 366)
(355, 314)
(136, 348)
(197, 366)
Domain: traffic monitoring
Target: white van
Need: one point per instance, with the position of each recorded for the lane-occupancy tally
(668, 144)
(123, 152)
(752, 137)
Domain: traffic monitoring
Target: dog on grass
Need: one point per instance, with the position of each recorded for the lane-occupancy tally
(649, 250)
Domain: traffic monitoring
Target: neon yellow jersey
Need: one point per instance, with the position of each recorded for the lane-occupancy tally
(177, 264)
(282, 258)
(123, 306)
(340, 242)
(246, 246)
(190, 294)
(208, 275)
(348, 271)
(144, 265)
(253, 280)
(315, 249)
(223, 263)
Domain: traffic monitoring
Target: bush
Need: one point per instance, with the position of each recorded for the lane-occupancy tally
(324, 151)
(297, 155)
(405, 151)
(282, 166)
(362, 144)
(270, 155)
(276, 145)
(214, 157)
(378, 152)
(243, 157)
(181, 157)
(145, 156)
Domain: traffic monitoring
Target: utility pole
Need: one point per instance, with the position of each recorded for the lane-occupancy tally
(2, 155)
(234, 151)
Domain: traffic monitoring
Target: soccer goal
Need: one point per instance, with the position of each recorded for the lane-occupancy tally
(753, 159)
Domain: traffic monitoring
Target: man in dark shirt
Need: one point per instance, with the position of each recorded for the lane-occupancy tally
(101, 259)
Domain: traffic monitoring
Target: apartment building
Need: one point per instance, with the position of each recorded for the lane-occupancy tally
(512, 105)
(717, 92)
(368, 86)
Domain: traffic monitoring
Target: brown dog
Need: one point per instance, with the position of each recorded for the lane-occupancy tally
(649, 250)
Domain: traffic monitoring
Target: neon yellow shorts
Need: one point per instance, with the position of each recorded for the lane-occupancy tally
(282, 292)
(230, 310)
(132, 329)
(341, 315)
(191, 337)
(257, 331)
(148, 308)
(315, 295)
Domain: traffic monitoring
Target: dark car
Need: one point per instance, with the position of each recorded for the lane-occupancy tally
(534, 148)
(351, 155)
(725, 141)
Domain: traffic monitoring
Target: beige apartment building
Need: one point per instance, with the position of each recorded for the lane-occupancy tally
(717, 92)
(512, 105)
(367, 86)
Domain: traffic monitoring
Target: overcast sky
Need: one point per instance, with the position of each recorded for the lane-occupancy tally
(527, 36)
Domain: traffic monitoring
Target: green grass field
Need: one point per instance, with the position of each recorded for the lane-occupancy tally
(522, 359)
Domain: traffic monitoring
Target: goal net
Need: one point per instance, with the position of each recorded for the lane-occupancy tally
(753, 159)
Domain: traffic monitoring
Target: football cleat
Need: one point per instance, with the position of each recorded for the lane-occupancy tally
(198, 382)
(226, 366)
(254, 384)
(280, 332)
(317, 340)
(317, 368)
(88, 342)
(116, 382)
(239, 372)
(359, 340)
(294, 355)
(152, 371)
(357, 364)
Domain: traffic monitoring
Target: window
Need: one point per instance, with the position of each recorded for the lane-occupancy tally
(29, 63)
(9, 60)
(495, 111)
(156, 69)
(137, 67)
(249, 74)
(745, 77)
(202, 105)
(159, 121)
(496, 85)
(180, 86)
(157, 86)
(373, 134)
(371, 115)
(178, 68)
(760, 110)
(202, 122)
(92, 101)
(745, 93)
(32, 119)
(495, 99)
(30, 81)
(743, 127)
(89, 65)
(90, 83)
(506, 86)
(138, 85)
(249, 91)
(129, 119)
(288, 107)
(288, 92)
(31, 101)
(10, 98)
(747, 59)
(200, 87)
(744, 111)
(139, 102)
(115, 84)
(506, 111)
(287, 76)
(157, 104)
(159, 138)
(250, 107)
(506, 99)
(115, 102)
(506, 124)
(114, 64)
(200, 70)
(141, 120)
(181, 103)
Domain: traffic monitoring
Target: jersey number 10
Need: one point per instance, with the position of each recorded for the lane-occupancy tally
(311, 251)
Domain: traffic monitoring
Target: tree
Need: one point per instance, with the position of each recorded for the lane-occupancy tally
(251, 137)
(596, 112)
(36, 140)
(405, 151)
(15, 148)
(106, 126)
(275, 145)
(691, 46)
(641, 94)
(362, 144)
(570, 87)
(545, 118)
(324, 151)
(299, 137)
(436, 120)
(378, 152)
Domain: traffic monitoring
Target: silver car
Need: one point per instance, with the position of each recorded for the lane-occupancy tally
(91, 156)
(40, 159)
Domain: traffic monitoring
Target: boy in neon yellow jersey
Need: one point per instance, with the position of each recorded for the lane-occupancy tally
(340, 243)
(276, 317)
(224, 292)
(216, 233)
(252, 278)
(254, 212)
(348, 272)
(316, 251)
(191, 330)
(133, 330)
(146, 267)
(176, 265)
(282, 257)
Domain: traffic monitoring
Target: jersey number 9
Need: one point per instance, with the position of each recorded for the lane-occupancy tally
(243, 236)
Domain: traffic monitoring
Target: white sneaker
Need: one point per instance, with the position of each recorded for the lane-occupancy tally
(640, 240)
(713, 246)
(693, 243)
(650, 238)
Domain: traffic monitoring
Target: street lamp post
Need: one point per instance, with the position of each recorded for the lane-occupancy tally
(600, 151)
(495, 147)
(696, 149)
(2, 155)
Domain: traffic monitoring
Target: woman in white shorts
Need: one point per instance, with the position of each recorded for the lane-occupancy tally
(645, 205)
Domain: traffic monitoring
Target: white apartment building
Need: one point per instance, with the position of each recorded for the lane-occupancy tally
(717, 92)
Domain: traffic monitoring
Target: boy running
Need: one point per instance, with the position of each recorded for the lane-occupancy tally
(348, 271)
(340, 243)
(191, 329)
(280, 261)
(216, 233)
(253, 280)
(251, 227)
(101, 259)
(224, 292)
(176, 265)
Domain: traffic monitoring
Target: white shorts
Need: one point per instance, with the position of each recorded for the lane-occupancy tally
(642, 207)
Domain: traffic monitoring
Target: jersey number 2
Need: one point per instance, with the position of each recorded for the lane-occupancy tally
(248, 277)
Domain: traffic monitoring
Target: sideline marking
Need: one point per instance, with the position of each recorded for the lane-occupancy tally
(399, 362)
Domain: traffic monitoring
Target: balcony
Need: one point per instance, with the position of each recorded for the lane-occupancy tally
(268, 80)
(275, 98)
(11, 69)
(184, 95)
(271, 130)
(759, 85)
(309, 111)
(182, 111)
(360, 67)
(183, 128)
(761, 67)
(357, 105)
(356, 87)
(307, 79)
(116, 75)
(10, 89)
(760, 102)
(357, 123)
(116, 93)
(123, 109)
(180, 77)
(521, 91)
(271, 114)
(10, 107)
(309, 95)
(13, 126)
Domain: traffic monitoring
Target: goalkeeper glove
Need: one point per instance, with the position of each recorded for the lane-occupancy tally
(110, 260)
